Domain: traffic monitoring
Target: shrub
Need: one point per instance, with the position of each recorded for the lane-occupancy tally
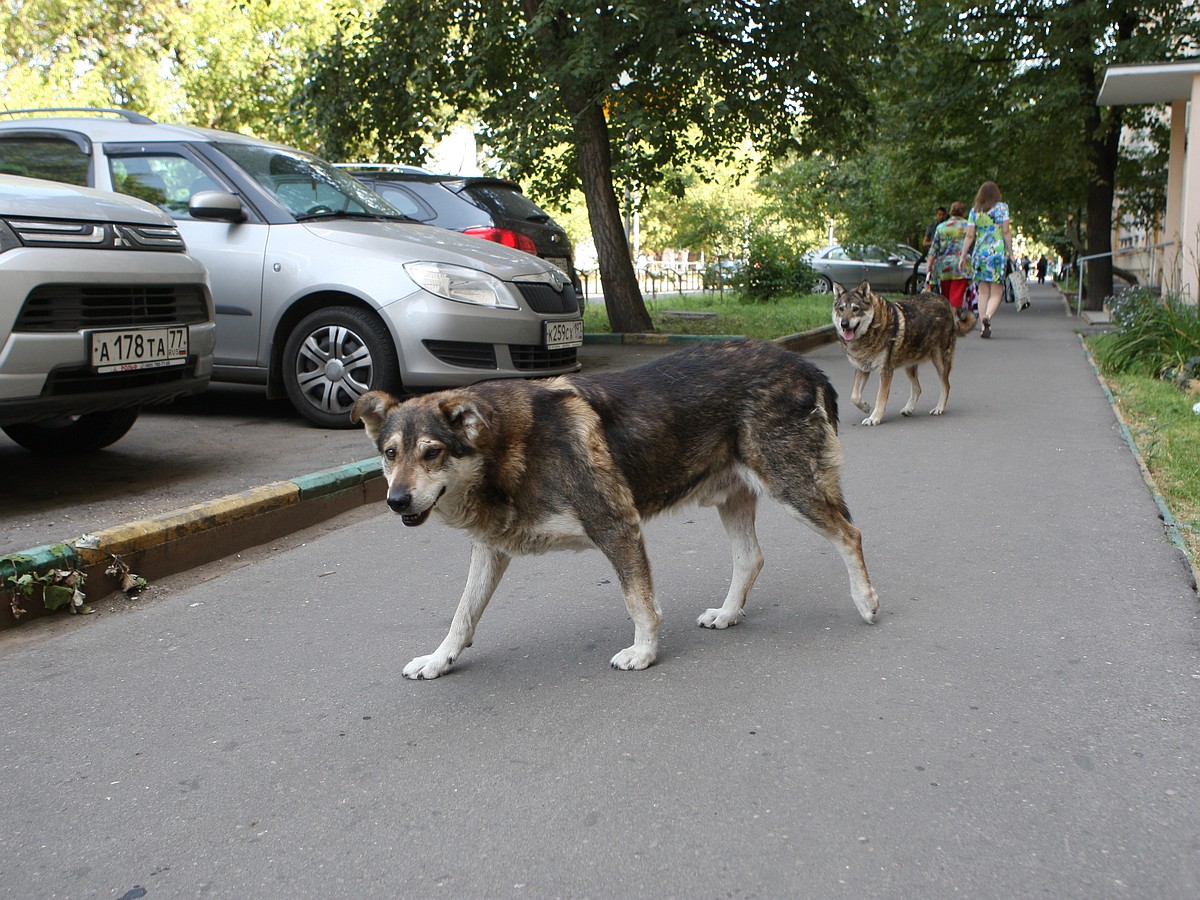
(1156, 334)
(775, 270)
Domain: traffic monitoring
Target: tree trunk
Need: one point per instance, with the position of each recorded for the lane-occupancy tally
(622, 296)
(1102, 149)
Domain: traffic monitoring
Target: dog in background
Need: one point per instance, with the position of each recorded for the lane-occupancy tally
(887, 335)
(583, 460)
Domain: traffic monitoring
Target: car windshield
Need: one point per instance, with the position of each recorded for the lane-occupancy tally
(309, 187)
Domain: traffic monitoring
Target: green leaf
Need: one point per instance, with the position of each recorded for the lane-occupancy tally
(56, 596)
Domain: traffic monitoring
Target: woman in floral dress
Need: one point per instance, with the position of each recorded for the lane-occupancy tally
(990, 234)
(945, 256)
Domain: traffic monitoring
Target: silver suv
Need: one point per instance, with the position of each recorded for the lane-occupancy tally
(102, 312)
(323, 290)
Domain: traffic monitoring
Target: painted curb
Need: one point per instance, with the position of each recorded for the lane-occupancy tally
(175, 541)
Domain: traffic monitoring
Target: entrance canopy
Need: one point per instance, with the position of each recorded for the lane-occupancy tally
(1176, 84)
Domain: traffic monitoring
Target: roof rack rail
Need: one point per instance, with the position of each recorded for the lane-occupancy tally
(136, 118)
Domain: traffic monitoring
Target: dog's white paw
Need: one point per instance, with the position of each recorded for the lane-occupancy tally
(633, 658)
(937, 410)
(863, 405)
(871, 420)
(426, 667)
(868, 606)
(718, 618)
(906, 411)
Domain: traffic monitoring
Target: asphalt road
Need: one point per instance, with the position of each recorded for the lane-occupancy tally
(1021, 723)
(229, 439)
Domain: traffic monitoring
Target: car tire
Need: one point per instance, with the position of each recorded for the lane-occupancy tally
(823, 285)
(74, 434)
(913, 285)
(333, 357)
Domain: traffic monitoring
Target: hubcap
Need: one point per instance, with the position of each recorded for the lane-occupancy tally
(333, 369)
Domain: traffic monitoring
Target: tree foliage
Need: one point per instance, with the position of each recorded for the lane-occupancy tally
(234, 66)
(1006, 91)
(570, 92)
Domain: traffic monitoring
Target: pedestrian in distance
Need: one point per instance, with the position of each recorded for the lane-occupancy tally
(939, 216)
(945, 262)
(989, 243)
(1043, 265)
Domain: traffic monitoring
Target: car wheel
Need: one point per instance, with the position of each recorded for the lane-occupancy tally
(74, 434)
(332, 358)
(913, 285)
(823, 285)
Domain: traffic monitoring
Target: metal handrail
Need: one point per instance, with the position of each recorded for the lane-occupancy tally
(1081, 260)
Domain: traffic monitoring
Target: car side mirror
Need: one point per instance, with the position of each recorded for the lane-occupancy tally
(894, 260)
(219, 205)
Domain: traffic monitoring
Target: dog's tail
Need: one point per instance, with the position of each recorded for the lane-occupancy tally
(827, 401)
(966, 321)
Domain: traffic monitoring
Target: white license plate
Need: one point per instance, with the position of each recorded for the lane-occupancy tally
(564, 334)
(561, 262)
(142, 348)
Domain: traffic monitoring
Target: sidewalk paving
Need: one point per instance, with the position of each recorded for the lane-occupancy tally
(1022, 722)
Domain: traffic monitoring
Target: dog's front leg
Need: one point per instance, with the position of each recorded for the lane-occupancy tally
(856, 392)
(627, 553)
(487, 568)
(881, 398)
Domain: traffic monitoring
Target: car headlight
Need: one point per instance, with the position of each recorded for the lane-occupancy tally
(462, 284)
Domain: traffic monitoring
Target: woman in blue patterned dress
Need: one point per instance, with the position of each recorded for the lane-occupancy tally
(989, 233)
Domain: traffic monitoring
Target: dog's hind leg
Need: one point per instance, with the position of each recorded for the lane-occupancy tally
(836, 527)
(487, 568)
(737, 512)
(915, 395)
(941, 361)
(810, 487)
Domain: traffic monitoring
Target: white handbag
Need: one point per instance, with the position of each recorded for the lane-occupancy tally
(1020, 288)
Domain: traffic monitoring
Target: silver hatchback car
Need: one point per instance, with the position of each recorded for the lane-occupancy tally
(323, 290)
(102, 312)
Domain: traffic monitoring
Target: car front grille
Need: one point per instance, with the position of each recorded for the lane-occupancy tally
(75, 307)
(525, 357)
(78, 380)
(464, 354)
(542, 298)
(539, 359)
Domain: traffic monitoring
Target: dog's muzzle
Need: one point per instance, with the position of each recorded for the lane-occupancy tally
(849, 332)
(401, 503)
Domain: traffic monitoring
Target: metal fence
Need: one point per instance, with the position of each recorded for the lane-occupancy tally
(656, 281)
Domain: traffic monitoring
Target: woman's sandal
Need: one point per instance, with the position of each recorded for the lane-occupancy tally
(987, 329)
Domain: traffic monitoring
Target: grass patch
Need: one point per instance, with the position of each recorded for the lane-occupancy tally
(731, 314)
(1167, 434)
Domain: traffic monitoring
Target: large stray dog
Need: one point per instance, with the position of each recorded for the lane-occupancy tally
(887, 335)
(581, 460)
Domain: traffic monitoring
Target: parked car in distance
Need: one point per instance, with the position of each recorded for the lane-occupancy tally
(887, 270)
(491, 208)
(102, 312)
(322, 289)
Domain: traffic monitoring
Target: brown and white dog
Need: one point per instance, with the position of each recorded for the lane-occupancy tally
(887, 335)
(582, 460)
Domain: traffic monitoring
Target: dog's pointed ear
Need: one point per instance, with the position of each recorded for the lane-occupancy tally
(838, 290)
(372, 409)
(864, 289)
(469, 416)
